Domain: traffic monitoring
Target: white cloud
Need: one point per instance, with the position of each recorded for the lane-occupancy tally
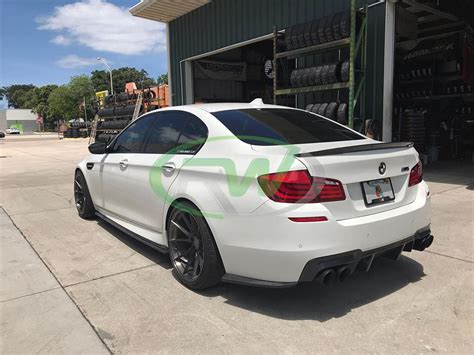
(73, 61)
(61, 40)
(105, 27)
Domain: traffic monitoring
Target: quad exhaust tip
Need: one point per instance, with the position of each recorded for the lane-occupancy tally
(326, 277)
(423, 243)
(329, 276)
(341, 273)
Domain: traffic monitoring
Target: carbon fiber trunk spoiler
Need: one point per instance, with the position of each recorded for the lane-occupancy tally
(355, 148)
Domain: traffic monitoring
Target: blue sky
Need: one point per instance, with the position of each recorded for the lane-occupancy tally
(48, 41)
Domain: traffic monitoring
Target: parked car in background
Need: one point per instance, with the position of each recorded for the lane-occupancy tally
(13, 130)
(257, 194)
(2, 135)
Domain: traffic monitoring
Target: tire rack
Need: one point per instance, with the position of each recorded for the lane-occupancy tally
(144, 103)
(357, 44)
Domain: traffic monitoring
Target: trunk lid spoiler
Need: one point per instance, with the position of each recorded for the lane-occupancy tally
(355, 148)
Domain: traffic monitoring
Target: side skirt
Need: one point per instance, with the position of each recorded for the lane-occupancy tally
(161, 248)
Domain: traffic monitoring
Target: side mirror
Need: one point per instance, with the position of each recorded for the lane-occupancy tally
(98, 148)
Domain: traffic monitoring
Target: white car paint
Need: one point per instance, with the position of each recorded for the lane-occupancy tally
(254, 236)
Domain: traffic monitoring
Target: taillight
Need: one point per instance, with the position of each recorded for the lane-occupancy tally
(416, 174)
(299, 187)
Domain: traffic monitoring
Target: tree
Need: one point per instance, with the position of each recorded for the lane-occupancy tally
(38, 102)
(16, 94)
(162, 79)
(101, 79)
(64, 102)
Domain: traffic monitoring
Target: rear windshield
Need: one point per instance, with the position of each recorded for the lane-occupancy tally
(282, 126)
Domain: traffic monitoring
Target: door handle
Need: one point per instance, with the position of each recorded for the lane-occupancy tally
(168, 168)
(123, 164)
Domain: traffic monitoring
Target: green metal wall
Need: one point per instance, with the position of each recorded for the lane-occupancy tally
(225, 22)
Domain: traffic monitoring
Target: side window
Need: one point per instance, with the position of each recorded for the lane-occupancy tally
(165, 132)
(192, 137)
(131, 140)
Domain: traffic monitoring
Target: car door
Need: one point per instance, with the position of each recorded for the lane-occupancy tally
(117, 188)
(153, 170)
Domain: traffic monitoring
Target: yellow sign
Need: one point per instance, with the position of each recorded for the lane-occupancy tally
(101, 94)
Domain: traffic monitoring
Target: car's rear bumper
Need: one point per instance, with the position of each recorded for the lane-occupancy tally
(354, 259)
(267, 249)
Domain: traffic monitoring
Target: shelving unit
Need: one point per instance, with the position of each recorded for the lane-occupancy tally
(357, 45)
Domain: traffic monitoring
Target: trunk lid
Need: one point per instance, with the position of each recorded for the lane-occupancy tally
(356, 163)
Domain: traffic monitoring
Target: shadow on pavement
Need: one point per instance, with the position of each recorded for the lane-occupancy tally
(450, 172)
(148, 252)
(314, 302)
(307, 301)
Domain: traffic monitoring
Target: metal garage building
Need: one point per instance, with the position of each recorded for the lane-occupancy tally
(414, 60)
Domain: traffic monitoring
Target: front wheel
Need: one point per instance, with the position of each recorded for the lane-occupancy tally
(82, 198)
(193, 252)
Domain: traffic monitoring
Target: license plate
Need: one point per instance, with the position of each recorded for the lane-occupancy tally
(378, 191)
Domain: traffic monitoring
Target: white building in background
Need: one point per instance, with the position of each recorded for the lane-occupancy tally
(23, 119)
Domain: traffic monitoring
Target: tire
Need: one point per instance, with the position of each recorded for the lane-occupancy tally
(293, 76)
(342, 113)
(312, 76)
(321, 31)
(82, 198)
(331, 110)
(325, 74)
(315, 108)
(106, 112)
(345, 24)
(123, 96)
(328, 29)
(307, 34)
(193, 251)
(345, 71)
(301, 43)
(109, 99)
(299, 78)
(318, 75)
(333, 73)
(124, 111)
(294, 36)
(305, 76)
(322, 109)
(314, 32)
(336, 26)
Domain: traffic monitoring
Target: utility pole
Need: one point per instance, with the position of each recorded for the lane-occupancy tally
(110, 73)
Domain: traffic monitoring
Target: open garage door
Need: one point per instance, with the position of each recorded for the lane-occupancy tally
(239, 74)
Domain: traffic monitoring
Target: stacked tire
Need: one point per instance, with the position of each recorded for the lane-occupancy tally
(413, 129)
(117, 111)
(320, 74)
(104, 137)
(80, 124)
(114, 124)
(333, 110)
(322, 30)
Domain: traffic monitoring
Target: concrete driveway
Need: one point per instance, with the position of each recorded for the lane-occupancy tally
(75, 286)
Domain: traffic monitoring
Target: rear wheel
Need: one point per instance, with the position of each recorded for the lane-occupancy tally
(193, 252)
(82, 198)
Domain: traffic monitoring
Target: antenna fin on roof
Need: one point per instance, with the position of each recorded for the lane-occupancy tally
(257, 102)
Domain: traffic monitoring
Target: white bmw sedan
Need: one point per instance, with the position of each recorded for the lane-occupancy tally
(257, 194)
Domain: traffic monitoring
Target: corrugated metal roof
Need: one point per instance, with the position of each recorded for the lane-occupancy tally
(165, 10)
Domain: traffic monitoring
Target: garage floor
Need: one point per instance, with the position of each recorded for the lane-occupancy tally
(69, 285)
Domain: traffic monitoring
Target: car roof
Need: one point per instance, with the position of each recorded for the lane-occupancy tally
(224, 106)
